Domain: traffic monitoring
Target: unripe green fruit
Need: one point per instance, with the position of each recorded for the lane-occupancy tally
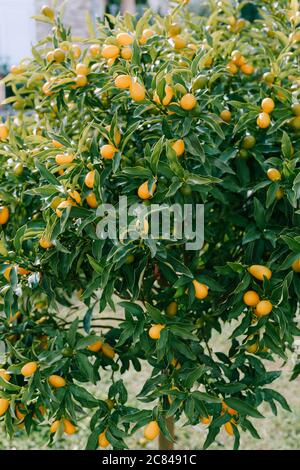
(200, 82)
(18, 169)
(186, 189)
(248, 142)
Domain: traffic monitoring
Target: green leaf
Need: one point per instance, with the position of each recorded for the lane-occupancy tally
(46, 174)
(155, 154)
(71, 335)
(200, 180)
(155, 313)
(84, 397)
(286, 145)
(243, 407)
(206, 397)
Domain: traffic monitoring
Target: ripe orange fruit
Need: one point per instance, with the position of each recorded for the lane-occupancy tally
(4, 375)
(110, 62)
(81, 80)
(228, 410)
(205, 420)
(95, 347)
(143, 191)
(225, 115)
(57, 144)
(22, 271)
(174, 29)
(63, 205)
(201, 290)
(259, 272)
(47, 11)
(179, 147)
(267, 105)
(69, 428)
(169, 93)
(253, 348)
(90, 179)
(171, 309)
(6, 273)
(263, 121)
(75, 195)
(178, 42)
(108, 151)
(170, 398)
(232, 67)
(279, 193)
(110, 52)
(296, 109)
(95, 50)
(18, 411)
(76, 51)
(29, 369)
(123, 81)
(14, 317)
(108, 351)
(229, 428)
(188, 102)
(59, 55)
(64, 159)
(46, 89)
(102, 440)
(137, 91)
(147, 34)
(247, 69)
(175, 363)
(4, 215)
(263, 308)
(91, 200)
(236, 56)
(3, 132)
(82, 69)
(296, 266)
(4, 404)
(50, 56)
(126, 53)
(251, 298)
(274, 174)
(17, 69)
(151, 431)
(45, 243)
(124, 39)
(56, 381)
(155, 330)
(54, 426)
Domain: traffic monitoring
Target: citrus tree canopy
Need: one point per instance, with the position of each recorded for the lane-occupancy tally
(179, 109)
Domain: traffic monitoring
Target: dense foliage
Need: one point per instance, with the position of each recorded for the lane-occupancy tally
(96, 121)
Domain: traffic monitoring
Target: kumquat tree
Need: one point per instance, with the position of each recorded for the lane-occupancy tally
(166, 110)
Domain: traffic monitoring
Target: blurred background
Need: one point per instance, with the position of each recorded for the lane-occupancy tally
(18, 30)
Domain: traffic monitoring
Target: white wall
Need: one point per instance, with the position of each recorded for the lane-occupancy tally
(17, 30)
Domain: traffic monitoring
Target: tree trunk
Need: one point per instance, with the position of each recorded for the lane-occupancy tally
(164, 443)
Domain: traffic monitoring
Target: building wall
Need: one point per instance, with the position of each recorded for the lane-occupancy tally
(74, 15)
(17, 30)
